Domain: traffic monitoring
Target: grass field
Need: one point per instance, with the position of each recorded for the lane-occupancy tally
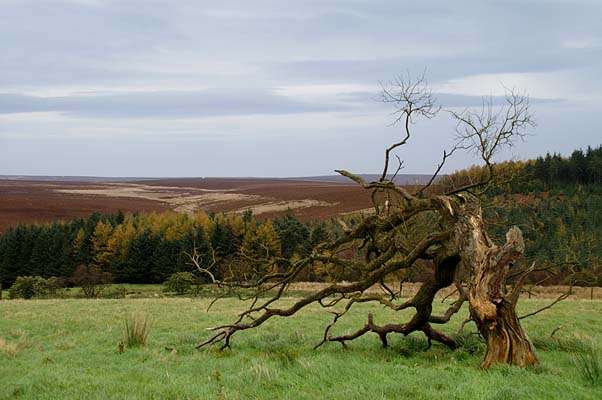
(68, 349)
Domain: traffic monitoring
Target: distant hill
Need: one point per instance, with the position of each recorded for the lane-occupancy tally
(401, 179)
(45, 178)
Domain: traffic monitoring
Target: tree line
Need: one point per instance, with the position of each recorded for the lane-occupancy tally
(556, 201)
(581, 167)
(148, 248)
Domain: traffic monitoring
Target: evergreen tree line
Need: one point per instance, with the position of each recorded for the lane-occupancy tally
(148, 248)
(581, 167)
(557, 203)
(549, 172)
(562, 228)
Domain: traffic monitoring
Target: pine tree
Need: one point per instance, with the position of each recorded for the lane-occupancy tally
(139, 264)
(293, 235)
(100, 241)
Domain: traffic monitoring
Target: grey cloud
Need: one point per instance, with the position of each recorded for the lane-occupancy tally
(58, 46)
(207, 103)
(62, 42)
(438, 68)
(445, 100)
(163, 104)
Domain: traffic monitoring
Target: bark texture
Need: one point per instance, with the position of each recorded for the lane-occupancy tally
(507, 342)
(491, 308)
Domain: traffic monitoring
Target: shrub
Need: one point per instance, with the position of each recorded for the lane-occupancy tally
(27, 287)
(180, 282)
(115, 292)
(136, 330)
(91, 278)
(54, 284)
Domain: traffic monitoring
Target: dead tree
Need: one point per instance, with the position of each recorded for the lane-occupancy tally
(486, 275)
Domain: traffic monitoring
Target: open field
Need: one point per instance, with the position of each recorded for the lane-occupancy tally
(29, 202)
(23, 201)
(68, 348)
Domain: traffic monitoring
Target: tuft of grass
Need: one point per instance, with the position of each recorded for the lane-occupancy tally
(285, 356)
(568, 345)
(469, 342)
(136, 330)
(415, 344)
(589, 365)
(505, 394)
(261, 371)
(12, 348)
(409, 346)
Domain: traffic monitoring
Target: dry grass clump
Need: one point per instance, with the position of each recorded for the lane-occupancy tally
(136, 330)
(12, 348)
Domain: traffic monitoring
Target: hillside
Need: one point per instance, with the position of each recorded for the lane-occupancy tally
(557, 203)
(561, 221)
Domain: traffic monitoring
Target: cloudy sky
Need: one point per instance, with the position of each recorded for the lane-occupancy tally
(278, 88)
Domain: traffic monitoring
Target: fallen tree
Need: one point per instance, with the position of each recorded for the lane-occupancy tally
(486, 275)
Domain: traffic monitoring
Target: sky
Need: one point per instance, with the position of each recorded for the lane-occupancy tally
(280, 88)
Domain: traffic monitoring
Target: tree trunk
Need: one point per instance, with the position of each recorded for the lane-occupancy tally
(507, 342)
(486, 267)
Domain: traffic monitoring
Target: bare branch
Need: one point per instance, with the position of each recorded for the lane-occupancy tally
(411, 97)
(492, 128)
(560, 298)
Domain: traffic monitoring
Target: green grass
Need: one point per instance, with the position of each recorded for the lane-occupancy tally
(68, 349)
